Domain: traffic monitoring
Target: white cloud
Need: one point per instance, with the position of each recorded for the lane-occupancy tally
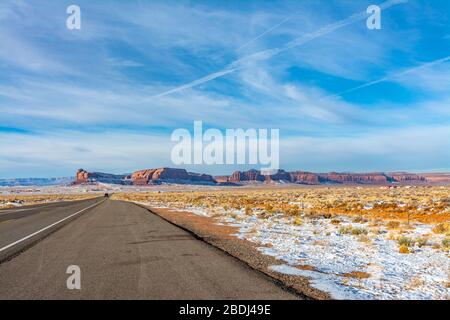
(23, 155)
(415, 149)
(59, 80)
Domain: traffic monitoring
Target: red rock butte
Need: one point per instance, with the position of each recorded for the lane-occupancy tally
(172, 175)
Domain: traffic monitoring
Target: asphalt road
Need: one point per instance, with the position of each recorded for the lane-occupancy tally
(123, 252)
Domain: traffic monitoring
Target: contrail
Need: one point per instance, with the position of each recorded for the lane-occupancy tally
(197, 82)
(390, 77)
(266, 32)
(269, 53)
(259, 36)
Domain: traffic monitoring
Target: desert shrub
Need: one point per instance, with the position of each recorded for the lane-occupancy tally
(421, 242)
(345, 230)
(335, 221)
(234, 216)
(442, 228)
(298, 221)
(356, 231)
(436, 246)
(403, 249)
(327, 215)
(393, 224)
(265, 215)
(446, 243)
(357, 275)
(360, 219)
(363, 238)
(405, 241)
(375, 222)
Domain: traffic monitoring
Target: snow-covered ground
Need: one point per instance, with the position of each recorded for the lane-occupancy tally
(332, 257)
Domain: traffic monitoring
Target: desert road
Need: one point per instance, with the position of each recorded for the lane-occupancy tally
(123, 251)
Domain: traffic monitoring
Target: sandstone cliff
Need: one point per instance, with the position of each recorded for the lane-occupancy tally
(332, 177)
(83, 176)
(144, 177)
(156, 176)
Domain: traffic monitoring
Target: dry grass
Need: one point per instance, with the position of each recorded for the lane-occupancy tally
(403, 249)
(446, 243)
(373, 205)
(298, 221)
(12, 201)
(405, 241)
(393, 225)
(356, 231)
(306, 267)
(442, 228)
(356, 275)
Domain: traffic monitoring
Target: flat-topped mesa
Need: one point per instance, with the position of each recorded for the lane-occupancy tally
(359, 178)
(181, 176)
(437, 177)
(305, 177)
(405, 177)
(247, 176)
(258, 176)
(222, 179)
(85, 177)
(280, 175)
(301, 177)
(151, 176)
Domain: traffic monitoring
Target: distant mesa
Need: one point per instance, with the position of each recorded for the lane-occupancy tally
(145, 177)
(439, 178)
(181, 176)
(301, 177)
(151, 176)
(31, 182)
(84, 177)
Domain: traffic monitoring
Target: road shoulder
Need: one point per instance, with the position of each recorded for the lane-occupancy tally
(222, 237)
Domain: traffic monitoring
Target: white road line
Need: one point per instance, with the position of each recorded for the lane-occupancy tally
(48, 227)
(25, 209)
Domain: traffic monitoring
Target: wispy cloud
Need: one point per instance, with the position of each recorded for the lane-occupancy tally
(109, 95)
(393, 77)
(269, 53)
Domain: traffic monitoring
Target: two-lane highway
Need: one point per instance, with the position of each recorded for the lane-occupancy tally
(21, 227)
(124, 252)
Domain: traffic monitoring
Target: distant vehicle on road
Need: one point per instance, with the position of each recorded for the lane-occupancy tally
(106, 195)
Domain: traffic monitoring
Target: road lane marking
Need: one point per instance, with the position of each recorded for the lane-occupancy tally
(2, 211)
(20, 210)
(48, 227)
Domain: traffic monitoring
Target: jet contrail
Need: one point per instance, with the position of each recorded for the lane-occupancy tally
(259, 36)
(266, 32)
(390, 77)
(197, 82)
(269, 53)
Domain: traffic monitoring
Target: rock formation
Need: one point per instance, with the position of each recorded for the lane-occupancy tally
(318, 178)
(250, 175)
(171, 175)
(82, 176)
(305, 177)
(144, 177)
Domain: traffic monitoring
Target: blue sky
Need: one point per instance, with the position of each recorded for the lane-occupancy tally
(108, 96)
